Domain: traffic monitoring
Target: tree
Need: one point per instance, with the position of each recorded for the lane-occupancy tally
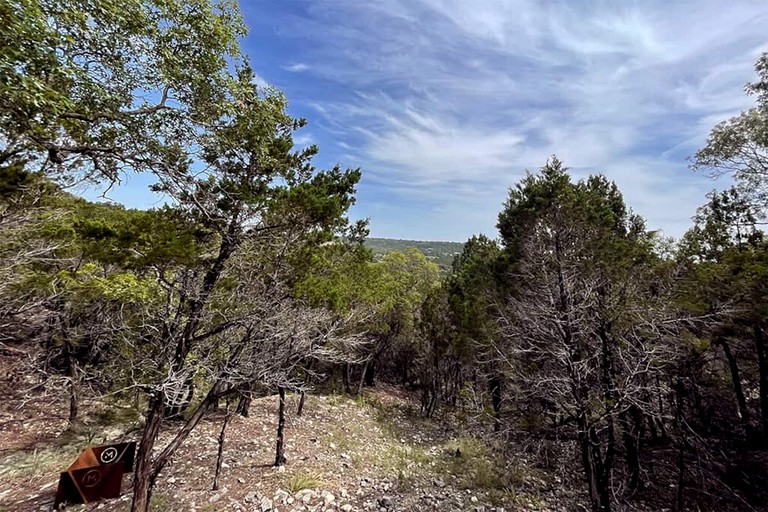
(582, 330)
(725, 257)
(403, 280)
(438, 362)
(739, 145)
(96, 88)
(476, 287)
(253, 191)
(71, 285)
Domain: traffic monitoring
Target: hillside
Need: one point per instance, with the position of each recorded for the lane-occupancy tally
(370, 452)
(441, 253)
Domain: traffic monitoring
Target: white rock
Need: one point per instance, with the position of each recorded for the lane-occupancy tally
(306, 495)
(328, 497)
(282, 496)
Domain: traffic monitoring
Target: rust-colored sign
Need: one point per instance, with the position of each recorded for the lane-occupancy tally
(96, 474)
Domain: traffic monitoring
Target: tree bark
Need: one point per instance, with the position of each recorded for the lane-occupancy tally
(147, 469)
(587, 461)
(362, 378)
(196, 306)
(679, 412)
(142, 477)
(73, 387)
(244, 403)
(597, 467)
(302, 398)
(280, 448)
(345, 378)
(220, 454)
(370, 374)
(631, 425)
(495, 385)
(762, 366)
(736, 380)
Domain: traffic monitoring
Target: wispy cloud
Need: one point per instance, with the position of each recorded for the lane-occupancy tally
(446, 103)
(303, 139)
(297, 67)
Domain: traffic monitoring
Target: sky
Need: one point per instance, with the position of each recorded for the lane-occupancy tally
(445, 104)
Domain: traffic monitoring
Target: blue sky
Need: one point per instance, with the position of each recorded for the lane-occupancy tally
(445, 103)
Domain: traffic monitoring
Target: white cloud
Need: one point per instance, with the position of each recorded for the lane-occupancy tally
(455, 98)
(297, 67)
(303, 139)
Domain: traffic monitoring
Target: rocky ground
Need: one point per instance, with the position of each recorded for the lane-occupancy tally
(368, 453)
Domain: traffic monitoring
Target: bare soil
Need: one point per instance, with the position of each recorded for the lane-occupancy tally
(372, 452)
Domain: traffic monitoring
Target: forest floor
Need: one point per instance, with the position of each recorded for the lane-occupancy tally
(373, 452)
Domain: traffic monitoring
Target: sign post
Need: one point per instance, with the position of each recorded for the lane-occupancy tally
(96, 474)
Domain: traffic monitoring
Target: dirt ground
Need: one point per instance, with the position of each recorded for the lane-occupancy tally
(371, 452)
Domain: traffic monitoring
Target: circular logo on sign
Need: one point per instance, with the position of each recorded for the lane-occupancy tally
(92, 478)
(109, 455)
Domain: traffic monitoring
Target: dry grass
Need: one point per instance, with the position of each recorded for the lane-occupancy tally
(38, 464)
(300, 482)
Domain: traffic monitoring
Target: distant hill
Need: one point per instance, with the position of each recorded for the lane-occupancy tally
(441, 253)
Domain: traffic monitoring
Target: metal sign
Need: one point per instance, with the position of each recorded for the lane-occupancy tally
(96, 474)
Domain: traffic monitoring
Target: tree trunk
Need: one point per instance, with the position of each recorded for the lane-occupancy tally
(142, 477)
(736, 380)
(302, 398)
(680, 502)
(73, 379)
(345, 378)
(679, 399)
(370, 374)
(220, 455)
(631, 424)
(597, 468)
(362, 378)
(590, 472)
(495, 385)
(604, 464)
(147, 469)
(280, 450)
(244, 403)
(762, 366)
(429, 398)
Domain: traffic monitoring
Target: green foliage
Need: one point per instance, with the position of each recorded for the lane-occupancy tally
(474, 285)
(441, 253)
(338, 276)
(77, 79)
(120, 287)
(739, 145)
